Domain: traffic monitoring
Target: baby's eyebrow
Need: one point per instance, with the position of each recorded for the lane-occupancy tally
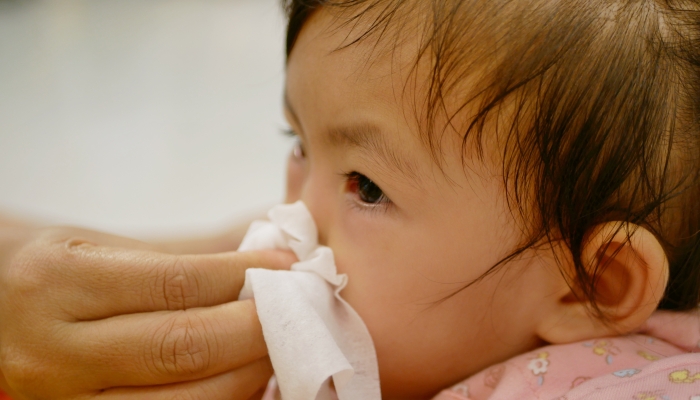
(369, 138)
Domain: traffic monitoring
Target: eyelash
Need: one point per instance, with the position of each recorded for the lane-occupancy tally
(357, 182)
(299, 151)
(288, 132)
(354, 181)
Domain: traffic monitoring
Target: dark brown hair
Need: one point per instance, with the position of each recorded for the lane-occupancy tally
(603, 101)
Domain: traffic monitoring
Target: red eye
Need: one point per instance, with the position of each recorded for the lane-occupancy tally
(366, 190)
(298, 150)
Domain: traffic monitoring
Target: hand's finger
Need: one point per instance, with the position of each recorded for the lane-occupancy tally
(259, 395)
(109, 281)
(6, 388)
(63, 235)
(240, 384)
(165, 347)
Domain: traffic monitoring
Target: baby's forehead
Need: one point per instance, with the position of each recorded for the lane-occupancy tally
(440, 74)
(386, 70)
(362, 85)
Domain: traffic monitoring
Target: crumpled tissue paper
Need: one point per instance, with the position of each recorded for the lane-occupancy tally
(313, 336)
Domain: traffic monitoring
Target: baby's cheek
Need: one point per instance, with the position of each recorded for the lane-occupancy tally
(360, 252)
(380, 290)
(364, 252)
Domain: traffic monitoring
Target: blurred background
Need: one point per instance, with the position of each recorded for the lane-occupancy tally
(142, 118)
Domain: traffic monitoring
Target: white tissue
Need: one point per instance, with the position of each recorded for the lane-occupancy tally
(312, 334)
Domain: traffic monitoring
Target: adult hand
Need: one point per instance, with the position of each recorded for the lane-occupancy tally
(86, 315)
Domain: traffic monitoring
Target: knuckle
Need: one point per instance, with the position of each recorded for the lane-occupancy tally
(64, 241)
(180, 347)
(32, 273)
(29, 269)
(53, 250)
(176, 287)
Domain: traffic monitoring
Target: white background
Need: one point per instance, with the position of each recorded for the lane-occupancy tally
(144, 118)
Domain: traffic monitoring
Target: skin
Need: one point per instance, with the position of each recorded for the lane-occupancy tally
(87, 315)
(438, 231)
(410, 233)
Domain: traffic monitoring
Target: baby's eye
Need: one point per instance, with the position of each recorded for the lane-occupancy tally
(367, 191)
(298, 150)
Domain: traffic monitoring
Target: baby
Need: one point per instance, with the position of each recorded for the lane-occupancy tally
(506, 180)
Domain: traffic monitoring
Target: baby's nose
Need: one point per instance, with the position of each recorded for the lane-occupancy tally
(320, 201)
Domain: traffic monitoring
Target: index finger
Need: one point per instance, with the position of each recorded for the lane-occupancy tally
(114, 281)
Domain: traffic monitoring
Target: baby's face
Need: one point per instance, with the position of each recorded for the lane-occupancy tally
(407, 233)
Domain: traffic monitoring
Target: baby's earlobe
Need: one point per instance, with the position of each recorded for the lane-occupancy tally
(630, 272)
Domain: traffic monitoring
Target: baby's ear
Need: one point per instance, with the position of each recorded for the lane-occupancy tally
(631, 280)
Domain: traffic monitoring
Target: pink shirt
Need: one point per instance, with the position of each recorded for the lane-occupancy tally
(659, 362)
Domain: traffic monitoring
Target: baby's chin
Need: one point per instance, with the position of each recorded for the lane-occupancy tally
(398, 386)
(401, 380)
(409, 372)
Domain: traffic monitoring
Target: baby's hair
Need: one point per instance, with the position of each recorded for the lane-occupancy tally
(598, 103)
